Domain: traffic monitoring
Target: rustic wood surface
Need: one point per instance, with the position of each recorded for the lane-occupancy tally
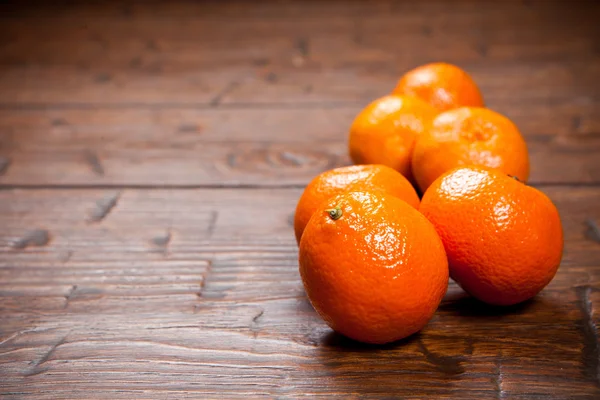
(151, 156)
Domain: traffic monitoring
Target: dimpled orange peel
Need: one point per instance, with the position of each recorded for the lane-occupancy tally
(385, 131)
(465, 136)
(504, 239)
(351, 178)
(444, 86)
(372, 266)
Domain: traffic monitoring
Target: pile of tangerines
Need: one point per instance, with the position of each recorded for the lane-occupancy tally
(375, 258)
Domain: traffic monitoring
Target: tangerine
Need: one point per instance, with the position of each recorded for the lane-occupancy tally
(385, 131)
(350, 178)
(372, 266)
(465, 136)
(444, 86)
(504, 239)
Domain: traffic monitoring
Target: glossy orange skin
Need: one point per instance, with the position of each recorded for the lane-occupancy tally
(385, 131)
(378, 273)
(444, 86)
(352, 178)
(504, 239)
(469, 136)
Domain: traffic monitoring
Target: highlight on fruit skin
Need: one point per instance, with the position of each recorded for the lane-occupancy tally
(469, 136)
(350, 178)
(384, 132)
(504, 239)
(445, 86)
(375, 273)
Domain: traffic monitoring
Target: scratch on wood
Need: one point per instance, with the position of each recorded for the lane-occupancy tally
(162, 241)
(213, 294)
(94, 162)
(212, 223)
(302, 45)
(69, 295)
(576, 122)
(272, 77)
(203, 283)
(258, 315)
(261, 62)
(4, 164)
(19, 333)
(232, 160)
(36, 365)
(210, 289)
(482, 49)
(215, 101)
(254, 325)
(102, 77)
(593, 230)
(37, 237)
(154, 328)
(498, 378)
(295, 159)
(78, 292)
(448, 364)
(104, 207)
(590, 353)
(135, 62)
(152, 45)
(11, 337)
(189, 128)
(59, 122)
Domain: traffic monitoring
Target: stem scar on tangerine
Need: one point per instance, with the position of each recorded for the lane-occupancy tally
(334, 213)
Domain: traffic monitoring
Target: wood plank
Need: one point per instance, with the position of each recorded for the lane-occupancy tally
(189, 54)
(240, 10)
(266, 147)
(181, 293)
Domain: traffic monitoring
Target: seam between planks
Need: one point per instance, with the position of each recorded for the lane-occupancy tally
(5, 187)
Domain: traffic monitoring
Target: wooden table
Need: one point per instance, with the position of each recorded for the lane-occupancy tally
(151, 157)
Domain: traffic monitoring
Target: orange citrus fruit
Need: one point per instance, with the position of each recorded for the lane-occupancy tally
(469, 136)
(444, 86)
(351, 178)
(372, 266)
(385, 131)
(503, 239)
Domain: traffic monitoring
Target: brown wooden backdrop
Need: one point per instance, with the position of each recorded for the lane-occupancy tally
(151, 156)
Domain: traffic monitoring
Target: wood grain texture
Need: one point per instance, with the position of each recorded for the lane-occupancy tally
(265, 147)
(194, 94)
(198, 53)
(182, 293)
